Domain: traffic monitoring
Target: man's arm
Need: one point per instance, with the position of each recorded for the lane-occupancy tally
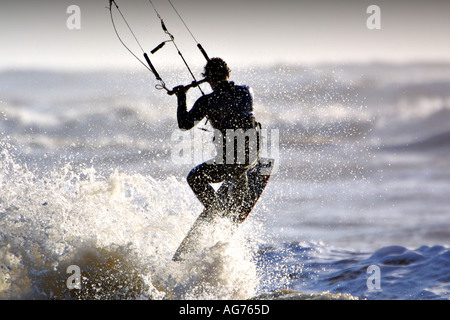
(188, 119)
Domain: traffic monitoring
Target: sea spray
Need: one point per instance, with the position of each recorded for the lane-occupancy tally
(222, 267)
(120, 231)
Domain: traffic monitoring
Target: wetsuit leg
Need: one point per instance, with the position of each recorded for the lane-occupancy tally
(201, 177)
(238, 192)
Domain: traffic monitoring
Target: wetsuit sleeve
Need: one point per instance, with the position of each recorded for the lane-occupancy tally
(188, 119)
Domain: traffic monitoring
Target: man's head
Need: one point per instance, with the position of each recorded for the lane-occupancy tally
(216, 70)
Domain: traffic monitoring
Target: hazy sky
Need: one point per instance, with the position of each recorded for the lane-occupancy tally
(34, 33)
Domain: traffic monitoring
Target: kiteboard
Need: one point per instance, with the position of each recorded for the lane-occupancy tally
(258, 176)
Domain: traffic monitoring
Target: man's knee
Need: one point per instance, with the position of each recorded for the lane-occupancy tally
(193, 178)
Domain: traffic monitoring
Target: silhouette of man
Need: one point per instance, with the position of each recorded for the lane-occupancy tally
(229, 110)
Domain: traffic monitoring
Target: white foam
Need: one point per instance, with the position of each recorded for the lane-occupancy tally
(79, 217)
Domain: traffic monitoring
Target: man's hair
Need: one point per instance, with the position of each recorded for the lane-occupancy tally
(216, 70)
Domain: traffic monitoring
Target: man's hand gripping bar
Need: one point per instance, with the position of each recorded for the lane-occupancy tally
(193, 84)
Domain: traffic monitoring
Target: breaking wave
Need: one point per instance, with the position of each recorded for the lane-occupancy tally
(121, 231)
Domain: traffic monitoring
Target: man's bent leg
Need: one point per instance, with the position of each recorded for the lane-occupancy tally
(200, 179)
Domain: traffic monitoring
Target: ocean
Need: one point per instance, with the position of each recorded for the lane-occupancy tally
(94, 199)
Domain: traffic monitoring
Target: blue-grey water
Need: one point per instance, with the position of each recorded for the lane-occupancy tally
(88, 178)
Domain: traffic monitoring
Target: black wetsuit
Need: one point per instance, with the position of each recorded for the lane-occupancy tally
(228, 107)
